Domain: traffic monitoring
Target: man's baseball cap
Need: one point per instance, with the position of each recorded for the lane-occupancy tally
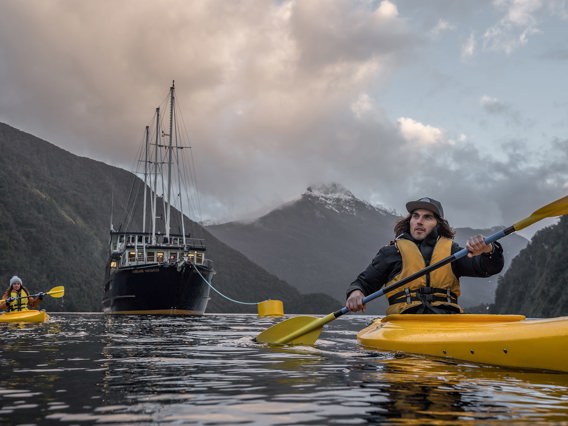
(426, 203)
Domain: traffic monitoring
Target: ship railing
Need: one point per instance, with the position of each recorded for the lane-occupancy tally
(128, 239)
(142, 256)
(194, 244)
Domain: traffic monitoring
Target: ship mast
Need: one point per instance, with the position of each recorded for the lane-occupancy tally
(154, 197)
(145, 179)
(170, 149)
(178, 148)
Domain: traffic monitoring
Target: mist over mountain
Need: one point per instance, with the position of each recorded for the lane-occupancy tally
(323, 240)
(55, 216)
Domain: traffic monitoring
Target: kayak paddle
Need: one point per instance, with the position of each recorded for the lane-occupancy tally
(55, 292)
(305, 330)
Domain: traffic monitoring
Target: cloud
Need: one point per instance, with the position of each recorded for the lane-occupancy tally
(275, 95)
(386, 10)
(493, 105)
(513, 30)
(468, 48)
(441, 27)
(496, 107)
(260, 82)
(362, 106)
(413, 131)
(519, 21)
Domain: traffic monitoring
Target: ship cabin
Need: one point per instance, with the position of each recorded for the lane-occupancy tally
(136, 249)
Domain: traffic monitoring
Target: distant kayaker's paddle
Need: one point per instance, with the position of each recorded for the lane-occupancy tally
(55, 292)
(305, 330)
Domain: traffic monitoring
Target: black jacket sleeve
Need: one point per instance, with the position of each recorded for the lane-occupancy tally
(378, 272)
(482, 266)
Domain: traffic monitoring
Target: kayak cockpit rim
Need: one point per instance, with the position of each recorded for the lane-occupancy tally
(452, 318)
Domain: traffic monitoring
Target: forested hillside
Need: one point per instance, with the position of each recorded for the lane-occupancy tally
(535, 285)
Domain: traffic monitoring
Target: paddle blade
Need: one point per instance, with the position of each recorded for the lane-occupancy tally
(56, 292)
(556, 208)
(301, 330)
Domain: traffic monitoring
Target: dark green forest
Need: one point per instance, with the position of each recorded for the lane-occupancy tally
(535, 285)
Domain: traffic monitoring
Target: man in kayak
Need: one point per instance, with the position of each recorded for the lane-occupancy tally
(423, 238)
(17, 297)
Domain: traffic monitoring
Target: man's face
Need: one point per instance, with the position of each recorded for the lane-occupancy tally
(422, 222)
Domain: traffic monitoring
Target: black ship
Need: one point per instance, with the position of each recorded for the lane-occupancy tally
(155, 271)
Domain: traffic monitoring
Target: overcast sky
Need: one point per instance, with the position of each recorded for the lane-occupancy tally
(463, 101)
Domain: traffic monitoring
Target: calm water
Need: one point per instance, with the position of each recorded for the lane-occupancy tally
(139, 370)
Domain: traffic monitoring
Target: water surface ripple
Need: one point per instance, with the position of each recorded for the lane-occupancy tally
(82, 369)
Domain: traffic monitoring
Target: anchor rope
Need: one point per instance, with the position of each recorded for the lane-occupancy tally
(217, 291)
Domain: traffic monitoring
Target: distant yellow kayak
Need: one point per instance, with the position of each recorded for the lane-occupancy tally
(502, 340)
(24, 316)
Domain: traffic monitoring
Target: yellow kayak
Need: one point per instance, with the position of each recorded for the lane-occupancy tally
(502, 340)
(24, 316)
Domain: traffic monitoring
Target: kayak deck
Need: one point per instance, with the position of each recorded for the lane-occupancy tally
(502, 340)
(24, 316)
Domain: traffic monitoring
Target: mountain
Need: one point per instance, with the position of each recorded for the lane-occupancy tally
(55, 210)
(323, 240)
(535, 284)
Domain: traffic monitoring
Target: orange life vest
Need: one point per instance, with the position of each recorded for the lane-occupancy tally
(20, 302)
(443, 287)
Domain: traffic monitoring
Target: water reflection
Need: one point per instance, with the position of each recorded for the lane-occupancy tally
(85, 369)
(417, 390)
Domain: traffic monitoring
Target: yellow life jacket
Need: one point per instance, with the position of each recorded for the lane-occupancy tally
(20, 303)
(443, 288)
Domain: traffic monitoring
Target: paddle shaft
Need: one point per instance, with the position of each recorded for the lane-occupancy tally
(457, 255)
(28, 296)
(53, 292)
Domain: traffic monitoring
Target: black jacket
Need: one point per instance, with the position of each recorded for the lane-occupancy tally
(388, 263)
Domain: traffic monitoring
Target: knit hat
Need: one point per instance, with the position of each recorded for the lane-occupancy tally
(426, 203)
(15, 279)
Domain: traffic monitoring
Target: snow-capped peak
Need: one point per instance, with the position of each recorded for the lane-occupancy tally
(332, 190)
(337, 198)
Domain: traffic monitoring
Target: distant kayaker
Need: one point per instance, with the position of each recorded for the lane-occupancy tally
(17, 297)
(423, 238)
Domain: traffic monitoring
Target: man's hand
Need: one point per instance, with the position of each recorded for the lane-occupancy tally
(476, 246)
(355, 301)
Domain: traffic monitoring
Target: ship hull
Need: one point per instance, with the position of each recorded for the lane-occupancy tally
(165, 289)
